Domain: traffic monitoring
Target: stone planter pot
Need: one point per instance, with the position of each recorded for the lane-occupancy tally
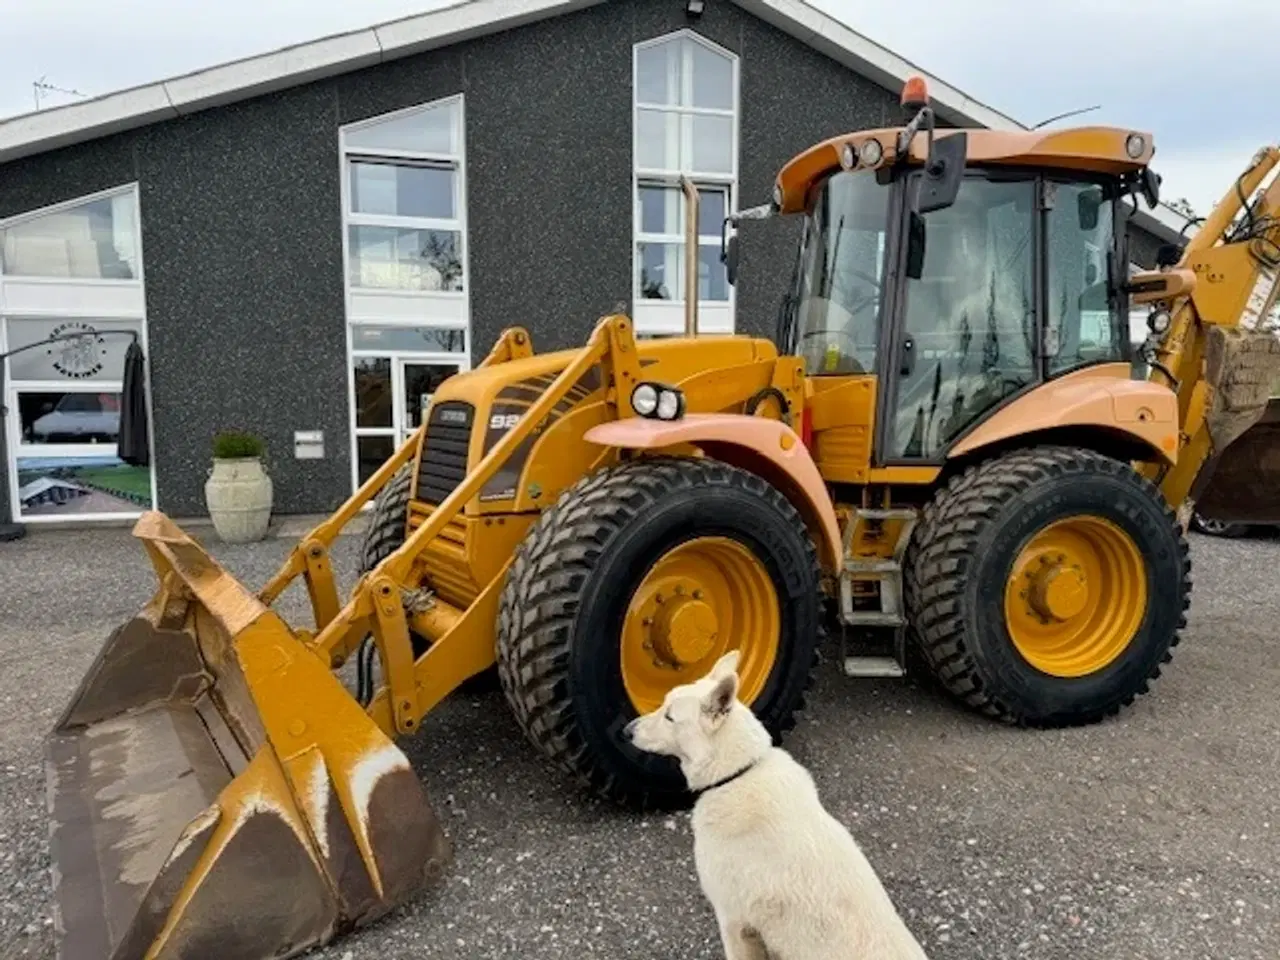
(239, 495)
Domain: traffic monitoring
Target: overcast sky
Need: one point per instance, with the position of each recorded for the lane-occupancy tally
(1169, 66)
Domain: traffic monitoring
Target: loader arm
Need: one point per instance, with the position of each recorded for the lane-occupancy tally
(310, 558)
(1216, 355)
(377, 606)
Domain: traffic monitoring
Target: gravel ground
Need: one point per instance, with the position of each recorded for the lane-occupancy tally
(1151, 837)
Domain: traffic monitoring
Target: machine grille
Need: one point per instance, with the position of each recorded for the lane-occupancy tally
(444, 455)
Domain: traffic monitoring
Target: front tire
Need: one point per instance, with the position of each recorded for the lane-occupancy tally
(1046, 587)
(586, 583)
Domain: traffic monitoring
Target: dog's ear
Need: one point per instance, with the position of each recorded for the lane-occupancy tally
(726, 665)
(719, 701)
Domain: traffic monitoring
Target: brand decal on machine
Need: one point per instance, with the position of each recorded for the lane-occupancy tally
(454, 415)
(511, 403)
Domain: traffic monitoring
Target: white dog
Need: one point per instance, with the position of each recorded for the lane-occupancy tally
(787, 881)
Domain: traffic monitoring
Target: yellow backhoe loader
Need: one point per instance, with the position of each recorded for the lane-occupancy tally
(950, 452)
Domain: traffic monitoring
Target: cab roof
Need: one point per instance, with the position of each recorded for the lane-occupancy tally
(1096, 149)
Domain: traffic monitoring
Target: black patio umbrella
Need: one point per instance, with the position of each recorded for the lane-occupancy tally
(134, 447)
(132, 443)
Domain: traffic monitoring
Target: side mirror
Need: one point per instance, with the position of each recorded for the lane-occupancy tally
(943, 172)
(915, 246)
(729, 244)
(729, 257)
(1150, 187)
(1088, 202)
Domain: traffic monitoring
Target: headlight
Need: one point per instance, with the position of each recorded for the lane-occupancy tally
(1134, 144)
(670, 404)
(657, 402)
(644, 399)
(847, 157)
(1158, 321)
(871, 152)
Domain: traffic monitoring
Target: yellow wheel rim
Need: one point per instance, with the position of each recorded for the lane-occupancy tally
(1076, 596)
(706, 597)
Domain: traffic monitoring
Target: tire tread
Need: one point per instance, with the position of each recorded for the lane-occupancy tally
(943, 547)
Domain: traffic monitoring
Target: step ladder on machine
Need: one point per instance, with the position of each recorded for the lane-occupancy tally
(891, 615)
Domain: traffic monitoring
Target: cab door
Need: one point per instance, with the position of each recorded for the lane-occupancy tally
(966, 336)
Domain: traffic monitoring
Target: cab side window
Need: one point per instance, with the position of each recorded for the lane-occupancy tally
(1084, 323)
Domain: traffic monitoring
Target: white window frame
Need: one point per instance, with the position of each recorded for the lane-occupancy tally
(72, 298)
(666, 317)
(389, 307)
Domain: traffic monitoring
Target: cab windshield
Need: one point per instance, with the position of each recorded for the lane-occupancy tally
(841, 271)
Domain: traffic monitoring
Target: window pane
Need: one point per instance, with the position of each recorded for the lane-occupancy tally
(425, 131)
(51, 486)
(421, 380)
(373, 391)
(658, 74)
(59, 417)
(87, 357)
(96, 240)
(662, 210)
(372, 453)
(683, 72)
(405, 259)
(398, 190)
(711, 212)
(1088, 322)
(713, 282)
(659, 266)
(712, 141)
(408, 339)
(971, 316)
(712, 78)
(657, 140)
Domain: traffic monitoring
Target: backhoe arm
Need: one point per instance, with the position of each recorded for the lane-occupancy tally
(1218, 354)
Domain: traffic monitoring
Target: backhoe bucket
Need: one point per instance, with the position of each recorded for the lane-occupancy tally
(216, 792)
(1241, 480)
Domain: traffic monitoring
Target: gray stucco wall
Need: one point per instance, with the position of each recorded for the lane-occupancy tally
(241, 219)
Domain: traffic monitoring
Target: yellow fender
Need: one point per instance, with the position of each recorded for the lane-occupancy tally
(768, 448)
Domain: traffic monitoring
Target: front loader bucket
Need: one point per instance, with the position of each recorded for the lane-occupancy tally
(215, 791)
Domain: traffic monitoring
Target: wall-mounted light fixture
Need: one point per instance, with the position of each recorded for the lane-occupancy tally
(694, 7)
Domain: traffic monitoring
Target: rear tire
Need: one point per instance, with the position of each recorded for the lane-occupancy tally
(565, 603)
(962, 559)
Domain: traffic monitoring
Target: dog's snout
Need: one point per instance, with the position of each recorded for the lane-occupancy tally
(629, 731)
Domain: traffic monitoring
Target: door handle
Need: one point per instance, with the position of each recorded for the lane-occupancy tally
(908, 359)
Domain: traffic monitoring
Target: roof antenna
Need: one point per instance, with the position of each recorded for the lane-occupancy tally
(1069, 113)
(41, 89)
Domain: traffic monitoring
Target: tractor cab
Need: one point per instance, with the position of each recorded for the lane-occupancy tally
(959, 268)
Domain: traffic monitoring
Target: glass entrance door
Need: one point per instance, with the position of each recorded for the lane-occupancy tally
(391, 392)
(418, 382)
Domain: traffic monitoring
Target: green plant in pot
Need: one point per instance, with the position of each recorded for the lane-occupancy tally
(239, 492)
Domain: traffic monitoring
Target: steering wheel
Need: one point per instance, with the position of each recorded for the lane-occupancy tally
(846, 357)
